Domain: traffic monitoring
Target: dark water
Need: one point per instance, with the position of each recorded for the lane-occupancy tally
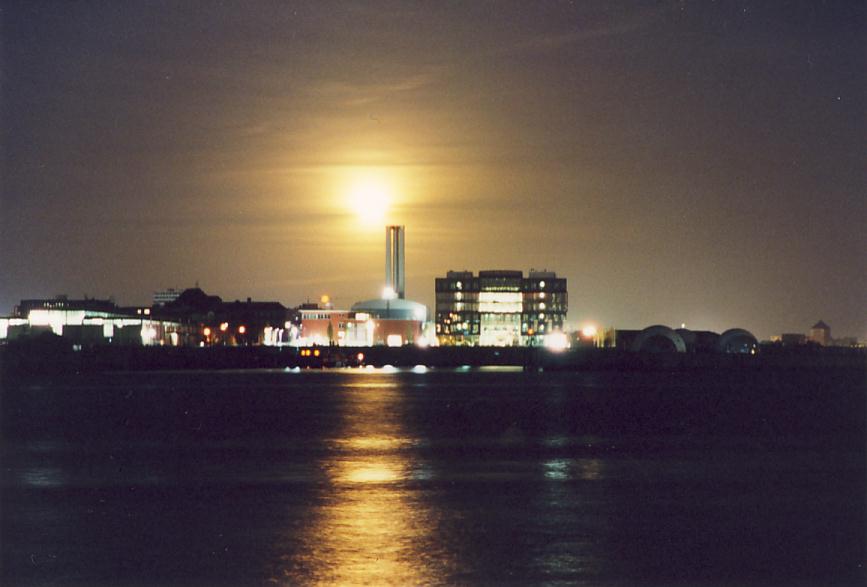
(275, 478)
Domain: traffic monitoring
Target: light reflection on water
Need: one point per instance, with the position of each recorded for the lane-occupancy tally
(368, 527)
(406, 479)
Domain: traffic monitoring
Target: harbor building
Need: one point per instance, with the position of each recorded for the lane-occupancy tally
(390, 319)
(820, 333)
(91, 321)
(499, 307)
(662, 339)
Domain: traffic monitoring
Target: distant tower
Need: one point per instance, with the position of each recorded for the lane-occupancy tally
(395, 276)
(820, 333)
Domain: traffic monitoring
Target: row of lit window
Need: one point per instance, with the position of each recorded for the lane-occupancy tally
(491, 283)
(460, 296)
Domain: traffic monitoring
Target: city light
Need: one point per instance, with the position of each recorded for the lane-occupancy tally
(388, 293)
(242, 329)
(224, 327)
(556, 341)
(588, 331)
(206, 331)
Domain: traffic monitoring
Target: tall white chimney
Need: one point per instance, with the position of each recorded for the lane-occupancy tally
(395, 275)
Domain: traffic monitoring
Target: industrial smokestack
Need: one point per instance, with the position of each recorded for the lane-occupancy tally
(395, 276)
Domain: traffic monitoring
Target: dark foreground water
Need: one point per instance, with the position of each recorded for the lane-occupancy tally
(258, 478)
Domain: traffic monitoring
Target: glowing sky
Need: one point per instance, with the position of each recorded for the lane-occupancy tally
(679, 162)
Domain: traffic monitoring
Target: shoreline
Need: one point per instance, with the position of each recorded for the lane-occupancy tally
(56, 357)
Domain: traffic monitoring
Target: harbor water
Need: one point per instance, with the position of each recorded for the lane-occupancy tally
(434, 477)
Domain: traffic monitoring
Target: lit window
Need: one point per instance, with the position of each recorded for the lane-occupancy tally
(541, 285)
(459, 285)
(542, 306)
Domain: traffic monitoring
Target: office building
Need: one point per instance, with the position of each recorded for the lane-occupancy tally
(499, 308)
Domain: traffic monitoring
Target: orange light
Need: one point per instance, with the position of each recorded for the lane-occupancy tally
(206, 331)
(224, 326)
(360, 357)
(242, 329)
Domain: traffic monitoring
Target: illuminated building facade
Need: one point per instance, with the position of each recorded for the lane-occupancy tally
(365, 325)
(166, 296)
(499, 308)
(92, 322)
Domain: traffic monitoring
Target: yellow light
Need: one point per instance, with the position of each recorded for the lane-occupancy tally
(206, 331)
(589, 331)
(224, 326)
(370, 195)
(242, 329)
(325, 299)
(372, 473)
(316, 353)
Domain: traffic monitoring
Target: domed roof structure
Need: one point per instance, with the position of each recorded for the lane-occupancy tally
(658, 339)
(392, 309)
(737, 340)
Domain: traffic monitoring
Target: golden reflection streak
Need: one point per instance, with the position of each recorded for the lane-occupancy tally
(370, 529)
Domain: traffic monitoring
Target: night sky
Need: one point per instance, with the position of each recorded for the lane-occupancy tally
(679, 162)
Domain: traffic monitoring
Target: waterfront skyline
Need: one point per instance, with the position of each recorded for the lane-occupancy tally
(677, 162)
